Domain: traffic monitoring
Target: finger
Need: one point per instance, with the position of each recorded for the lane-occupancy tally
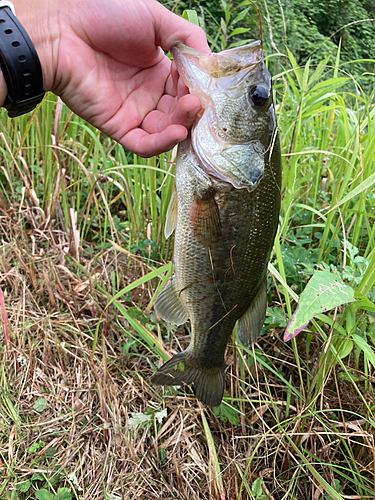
(147, 145)
(174, 85)
(174, 74)
(182, 89)
(172, 28)
(167, 104)
(171, 84)
(185, 112)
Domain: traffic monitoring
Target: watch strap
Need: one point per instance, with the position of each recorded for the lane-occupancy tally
(20, 65)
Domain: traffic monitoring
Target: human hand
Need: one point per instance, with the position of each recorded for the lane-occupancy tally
(103, 58)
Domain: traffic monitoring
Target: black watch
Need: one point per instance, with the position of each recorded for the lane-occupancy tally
(19, 63)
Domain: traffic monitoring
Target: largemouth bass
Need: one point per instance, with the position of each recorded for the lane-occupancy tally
(225, 213)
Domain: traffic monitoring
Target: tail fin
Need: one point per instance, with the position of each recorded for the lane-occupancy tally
(208, 384)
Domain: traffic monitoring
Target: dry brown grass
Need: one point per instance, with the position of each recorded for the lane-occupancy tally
(85, 438)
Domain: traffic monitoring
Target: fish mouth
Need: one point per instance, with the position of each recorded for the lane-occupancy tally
(226, 63)
(228, 70)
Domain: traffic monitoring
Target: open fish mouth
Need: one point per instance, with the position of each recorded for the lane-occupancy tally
(226, 63)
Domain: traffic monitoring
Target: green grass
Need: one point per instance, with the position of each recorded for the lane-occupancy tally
(83, 256)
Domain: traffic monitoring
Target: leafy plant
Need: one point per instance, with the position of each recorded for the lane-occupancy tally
(62, 494)
(324, 292)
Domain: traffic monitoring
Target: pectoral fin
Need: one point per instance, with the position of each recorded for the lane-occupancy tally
(171, 217)
(169, 306)
(205, 220)
(251, 323)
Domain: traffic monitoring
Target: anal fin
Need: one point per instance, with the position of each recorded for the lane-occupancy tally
(169, 306)
(250, 324)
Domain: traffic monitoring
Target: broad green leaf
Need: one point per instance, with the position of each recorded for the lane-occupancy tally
(37, 476)
(161, 415)
(275, 316)
(64, 494)
(40, 405)
(240, 16)
(323, 292)
(343, 345)
(139, 419)
(72, 478)
(227, 413)
(338, 488)
(257, 489)
(363, 303)
(36, 446)
(44, 494)
(145, 419)
(23, 486)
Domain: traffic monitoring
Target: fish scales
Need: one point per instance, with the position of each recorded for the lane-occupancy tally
(228, 176)
(219, 278)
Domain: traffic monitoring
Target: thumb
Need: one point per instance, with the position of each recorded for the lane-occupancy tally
(171, 28)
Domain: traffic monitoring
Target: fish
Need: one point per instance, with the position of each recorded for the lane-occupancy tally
(224, 212)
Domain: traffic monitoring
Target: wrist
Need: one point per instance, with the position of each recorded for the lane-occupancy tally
(3, 89)
(36, 17)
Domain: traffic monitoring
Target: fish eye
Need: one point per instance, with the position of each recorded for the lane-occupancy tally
(259, 95)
